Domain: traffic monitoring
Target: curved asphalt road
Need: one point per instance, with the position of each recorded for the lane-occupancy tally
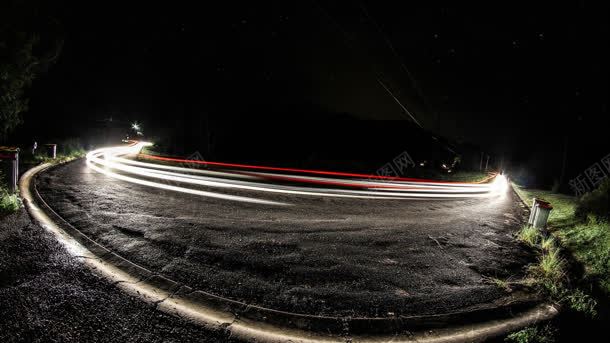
(321, 255)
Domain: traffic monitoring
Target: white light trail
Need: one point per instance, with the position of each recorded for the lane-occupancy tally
(109, 162)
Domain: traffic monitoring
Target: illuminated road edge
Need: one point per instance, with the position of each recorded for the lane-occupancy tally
(240, 320)
(112, 162)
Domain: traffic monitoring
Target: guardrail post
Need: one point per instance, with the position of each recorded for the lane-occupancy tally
(11, 156)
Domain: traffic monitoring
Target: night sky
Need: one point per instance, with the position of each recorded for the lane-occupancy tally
(516, 79)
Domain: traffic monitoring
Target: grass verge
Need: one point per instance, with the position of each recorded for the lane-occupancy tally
(587, 239)
(529, 235)
(459, 176)
(468, 176)
(61, 157)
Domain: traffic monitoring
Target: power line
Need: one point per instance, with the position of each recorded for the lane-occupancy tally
(398, 102)
(388, 42)
(349, 41)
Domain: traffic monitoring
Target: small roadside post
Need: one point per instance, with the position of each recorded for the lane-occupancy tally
(51, 150)
(539, 214)
(10, 157)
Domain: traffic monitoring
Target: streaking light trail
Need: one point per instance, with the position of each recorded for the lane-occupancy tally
(118, 163)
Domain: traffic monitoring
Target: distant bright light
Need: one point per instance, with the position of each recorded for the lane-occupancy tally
(135, 126)
(500, 185)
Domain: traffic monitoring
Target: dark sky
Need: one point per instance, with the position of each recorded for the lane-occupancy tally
(495, 74)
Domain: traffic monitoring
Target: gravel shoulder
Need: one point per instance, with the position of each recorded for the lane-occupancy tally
(344, 257)
(47, 295)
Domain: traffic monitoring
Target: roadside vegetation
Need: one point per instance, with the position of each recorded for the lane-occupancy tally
(581, 227)
(61, 157)
(550, 274)
(533, 334)
(529, 235)
(578, 231)
(462, 176)
(151, 150)
(67, 150)
(9, 202)
(29, 44)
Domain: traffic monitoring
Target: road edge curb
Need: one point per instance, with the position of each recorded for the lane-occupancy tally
(512, 187)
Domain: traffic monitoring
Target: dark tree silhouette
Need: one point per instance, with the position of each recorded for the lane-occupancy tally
(30, 41)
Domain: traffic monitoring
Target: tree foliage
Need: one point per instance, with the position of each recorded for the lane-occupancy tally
(29, 43)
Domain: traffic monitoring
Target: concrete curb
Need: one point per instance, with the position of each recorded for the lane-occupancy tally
(512, 186)
(254, 323)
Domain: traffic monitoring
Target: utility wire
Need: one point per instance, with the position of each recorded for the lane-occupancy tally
(348, 40)
(398, 102)
(388, 42)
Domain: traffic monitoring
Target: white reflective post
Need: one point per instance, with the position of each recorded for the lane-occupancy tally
(533, 212)
(540, 213)
(14, 173)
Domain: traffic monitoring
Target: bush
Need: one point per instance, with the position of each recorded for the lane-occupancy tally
(69, 146)
(533, 334)
(581, 302)
(8, 202)
(596, 202)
